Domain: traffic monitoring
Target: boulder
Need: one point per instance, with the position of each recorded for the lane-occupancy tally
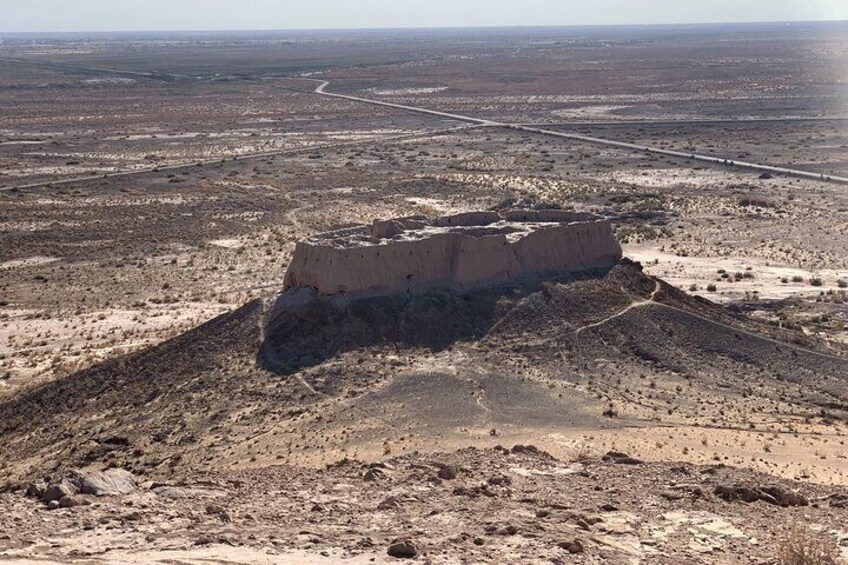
(58, 491)
(783, 497)
(36, 489)
(737, 492)
(111, 482)
(402, 549)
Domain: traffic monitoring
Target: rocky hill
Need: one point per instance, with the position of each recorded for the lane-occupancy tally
(600, 351)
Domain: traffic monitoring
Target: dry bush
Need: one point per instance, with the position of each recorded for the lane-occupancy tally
(803, 546)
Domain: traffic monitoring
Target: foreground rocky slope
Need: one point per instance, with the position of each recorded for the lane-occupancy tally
(497, 505)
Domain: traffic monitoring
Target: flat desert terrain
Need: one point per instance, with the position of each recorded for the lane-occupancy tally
(689, 405)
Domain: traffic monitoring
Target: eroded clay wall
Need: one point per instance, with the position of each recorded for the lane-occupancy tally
(453, 258)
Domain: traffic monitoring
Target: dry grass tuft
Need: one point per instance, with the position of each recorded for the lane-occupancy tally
(803, 546)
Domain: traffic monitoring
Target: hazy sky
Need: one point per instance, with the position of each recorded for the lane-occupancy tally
(125, 15)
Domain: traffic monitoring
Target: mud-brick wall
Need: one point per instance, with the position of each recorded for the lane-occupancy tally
(451, 259)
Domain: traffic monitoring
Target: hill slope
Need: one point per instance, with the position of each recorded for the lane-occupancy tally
(550, 364)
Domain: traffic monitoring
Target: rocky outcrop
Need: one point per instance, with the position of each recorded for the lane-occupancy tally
(65, 492)
(463, 251)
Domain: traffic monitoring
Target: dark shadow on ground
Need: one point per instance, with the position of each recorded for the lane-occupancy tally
(321, 329)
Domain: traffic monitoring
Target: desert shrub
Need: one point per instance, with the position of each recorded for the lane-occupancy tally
(816, 281)
(842, 283)
(802, 546)
(711, 287)
(797, 279)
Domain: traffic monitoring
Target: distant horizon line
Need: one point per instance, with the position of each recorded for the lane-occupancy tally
(426, 28)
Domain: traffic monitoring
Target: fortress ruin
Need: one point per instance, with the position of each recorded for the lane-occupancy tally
(461, 252)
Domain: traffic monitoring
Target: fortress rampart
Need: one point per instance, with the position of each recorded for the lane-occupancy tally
(462, 251)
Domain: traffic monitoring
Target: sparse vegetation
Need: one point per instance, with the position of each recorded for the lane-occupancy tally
(803, 546)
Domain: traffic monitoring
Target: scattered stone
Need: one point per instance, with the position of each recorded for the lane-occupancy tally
(218, 512)
(838, 500)
(72, 501)
(531, 449)
(499, 480)
(373, 474)
(507, 530)
(784, 497)
(36, 489)
(402, 549)
(621, 458)
(592, 520)
(447, 472)
(573, 469)
(390, 503)
(773, 495)
(572, 546)
(737, 492)
(609, 508)
(58, 491)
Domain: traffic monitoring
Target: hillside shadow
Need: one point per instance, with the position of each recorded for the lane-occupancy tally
(321, 329)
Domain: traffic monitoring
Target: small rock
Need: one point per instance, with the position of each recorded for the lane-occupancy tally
(373, 474)
(499, 480)
(572, 546)
(53, 505)
(391, 503)
(447, 472)
(526, 449)
(218, 512)
(402, 549)
(36, 489)
(507, 530)
(58, 491)
(72, 501)
(737, 492)
(542, 513)
(575, 468)
(609, 508)
(621, 458)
